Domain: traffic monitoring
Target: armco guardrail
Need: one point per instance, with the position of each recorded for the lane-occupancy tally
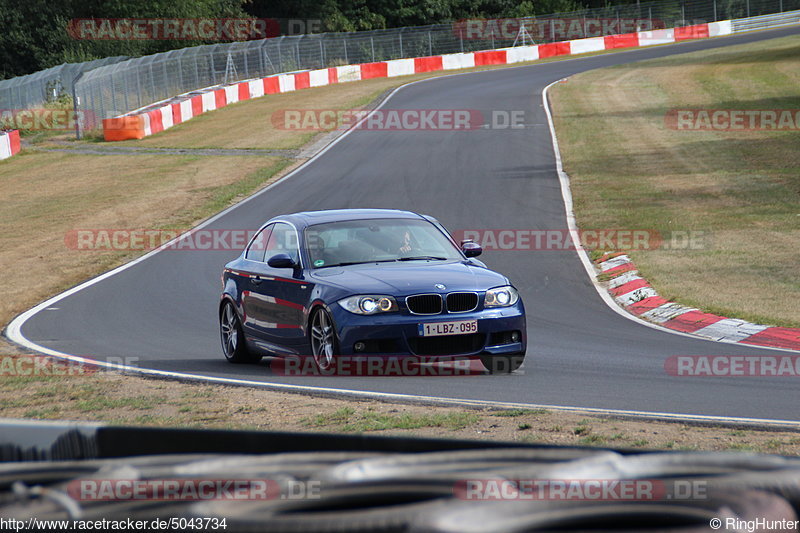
(166, 114)
(764, 22)
(9, 143)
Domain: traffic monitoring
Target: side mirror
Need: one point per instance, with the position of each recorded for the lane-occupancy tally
(470, 248)
(281, 261)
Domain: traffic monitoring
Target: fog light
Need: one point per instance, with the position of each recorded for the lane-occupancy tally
(359, 346)
(515, 336)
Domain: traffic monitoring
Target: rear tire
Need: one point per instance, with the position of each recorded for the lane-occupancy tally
(232, 336)
(502, 364)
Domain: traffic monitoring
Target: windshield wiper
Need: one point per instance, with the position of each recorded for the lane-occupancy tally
(423, 258)
(348, 263)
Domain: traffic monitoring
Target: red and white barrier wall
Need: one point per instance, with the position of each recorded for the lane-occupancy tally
(164, 115)
(9, 143)
(634, 293)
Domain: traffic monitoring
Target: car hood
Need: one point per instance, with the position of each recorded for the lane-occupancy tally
(401, 279)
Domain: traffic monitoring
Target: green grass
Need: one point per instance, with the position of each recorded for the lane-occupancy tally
(594, 440)
(102, 403)
(349, 420)
(519, 412)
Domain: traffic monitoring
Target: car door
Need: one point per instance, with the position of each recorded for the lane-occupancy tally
(280, 295)
(251, 285)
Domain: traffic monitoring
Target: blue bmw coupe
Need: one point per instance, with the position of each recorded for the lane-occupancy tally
(371, 283)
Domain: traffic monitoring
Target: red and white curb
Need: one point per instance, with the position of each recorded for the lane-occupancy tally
(635, 294)
(9, 143)
(163, 115)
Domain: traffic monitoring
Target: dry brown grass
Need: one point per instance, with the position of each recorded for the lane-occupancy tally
(129, 400)
(47, 194)
(742, 189)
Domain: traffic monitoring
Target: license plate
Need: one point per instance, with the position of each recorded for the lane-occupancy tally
(438, 329)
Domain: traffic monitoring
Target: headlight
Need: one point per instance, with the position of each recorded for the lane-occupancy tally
(501, 297)
(369, 304)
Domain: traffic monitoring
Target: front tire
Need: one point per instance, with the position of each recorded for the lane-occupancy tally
(324, 344)
(232, 337)
(502, 364)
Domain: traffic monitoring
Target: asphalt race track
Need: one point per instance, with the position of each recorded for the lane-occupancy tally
(162, 310)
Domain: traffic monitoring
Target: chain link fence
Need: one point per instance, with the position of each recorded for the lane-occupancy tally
(113, 86)
(25, 92)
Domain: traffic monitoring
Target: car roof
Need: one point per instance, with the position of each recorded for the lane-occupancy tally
(308, 218)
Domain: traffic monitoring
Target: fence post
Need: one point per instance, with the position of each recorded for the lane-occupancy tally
(372, 44)
(748, 8)
(461, 38)
(321, 53)
(213, 70)
(715, 11)
(180, 72)
(75, 104)
(113, 96)
(166, 79)
(125, 91)
(246, 66)
(346, 61)
(152, 85)
(430, 44)
(138, 90)
(401, 45)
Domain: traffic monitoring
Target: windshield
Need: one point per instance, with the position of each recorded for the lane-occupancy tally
(377, 240)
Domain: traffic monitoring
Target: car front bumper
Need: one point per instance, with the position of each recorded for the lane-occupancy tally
(397, 334)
